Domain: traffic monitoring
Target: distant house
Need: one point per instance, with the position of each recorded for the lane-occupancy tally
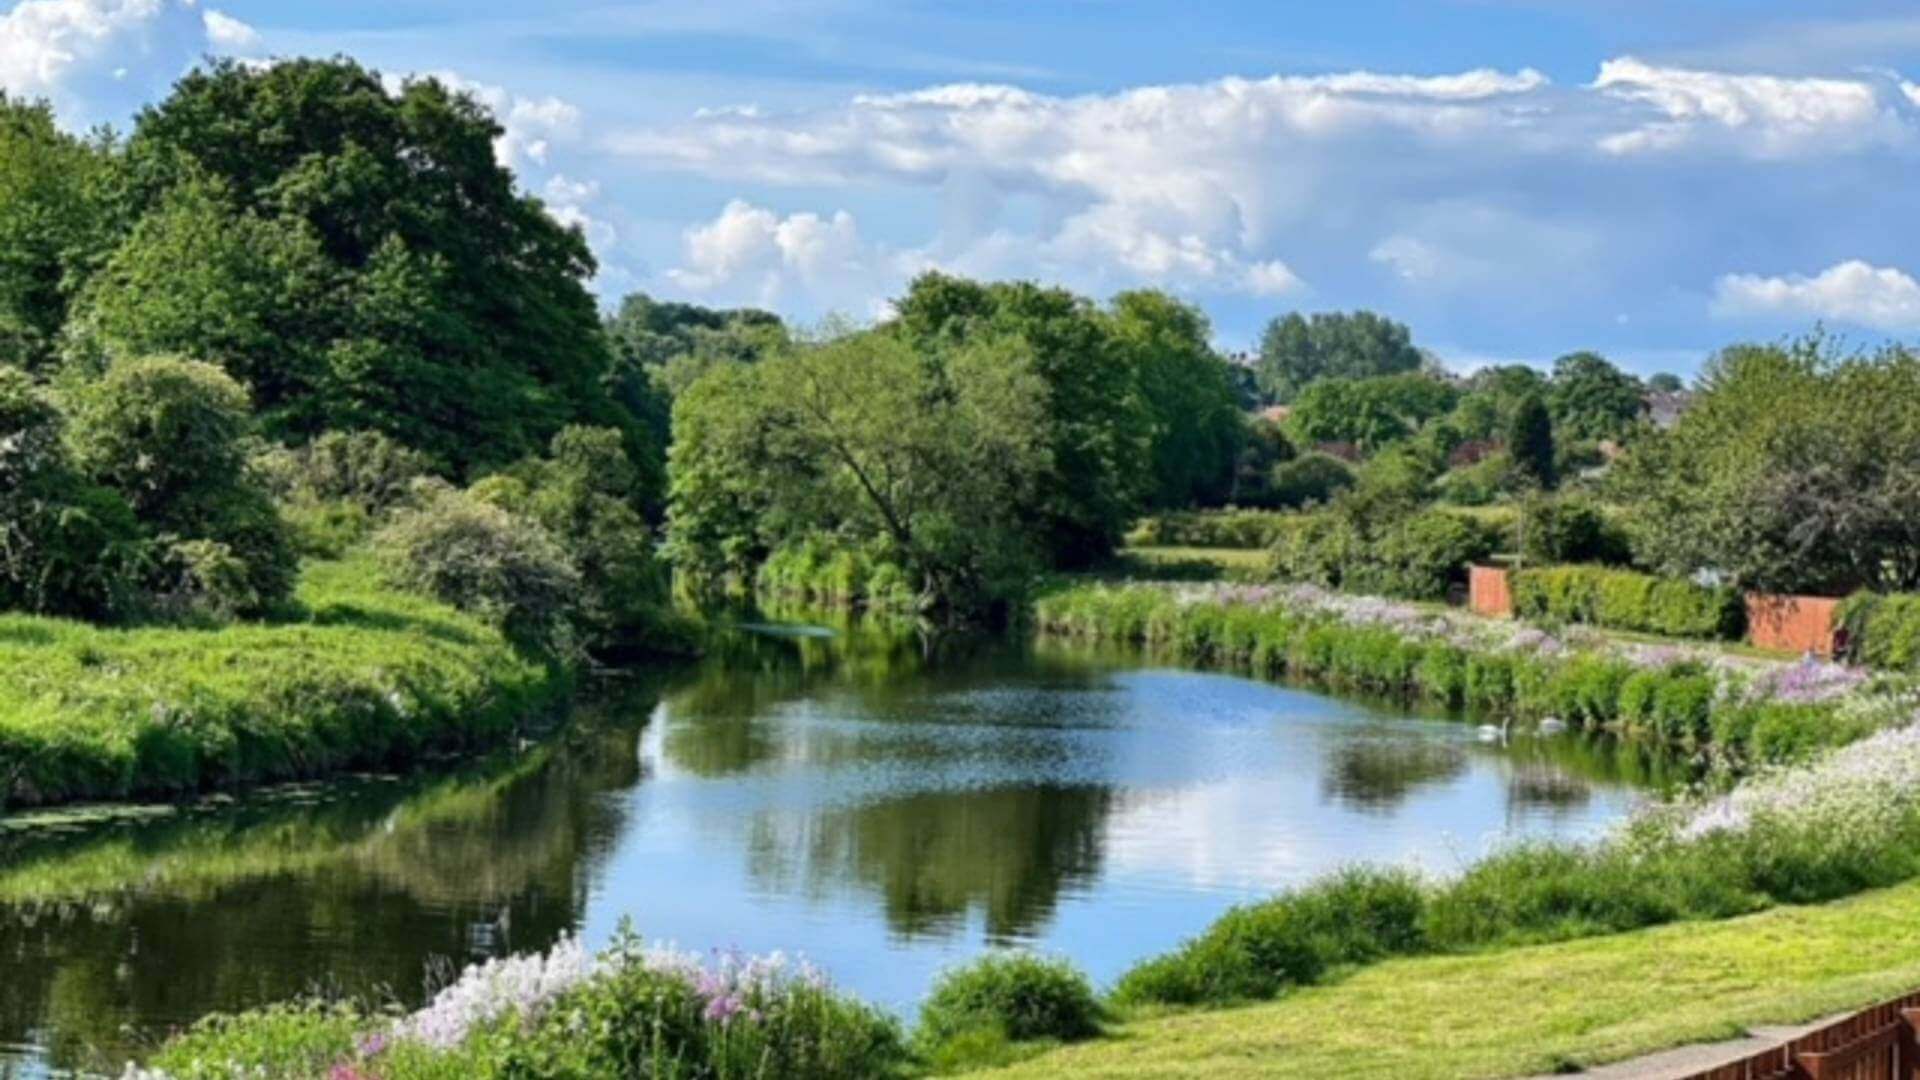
(1473, 452)
(1276, 413)
(1664, 408)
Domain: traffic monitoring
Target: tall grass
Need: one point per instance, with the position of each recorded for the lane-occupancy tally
(360, 675)
(1745, 712)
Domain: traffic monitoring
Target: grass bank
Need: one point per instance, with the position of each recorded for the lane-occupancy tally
(1541, 1009)
(1695, 700)
(360, 675)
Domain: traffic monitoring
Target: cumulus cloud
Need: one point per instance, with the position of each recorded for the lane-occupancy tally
(1883, 298)
(1766, 114)
(752, 255)
(227, 32)
(96, 59)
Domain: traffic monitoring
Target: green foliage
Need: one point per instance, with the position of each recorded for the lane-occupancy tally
(168, 436)
(1418, 556)
(1098, 434)
(365, 468)
(1530, 444)
(1625, 600)
(1370, 413)
(56, 217)
(482, 559)
(1479, 484)
(1568, 528)
(1310, 479)
(1296, 351)
(1591, 399)
(1264, 448)
(67, 547)
(1196, 424)
(1211, 529)
(362, 677)
(360, 259)
(1355, 916)
(930, 460)
(1795, 470)
(1017, 995)
(1883, 630)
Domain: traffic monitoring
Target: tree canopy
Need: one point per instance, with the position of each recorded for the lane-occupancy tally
(1296, 350)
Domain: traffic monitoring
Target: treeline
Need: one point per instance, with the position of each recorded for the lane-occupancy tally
(291, 308)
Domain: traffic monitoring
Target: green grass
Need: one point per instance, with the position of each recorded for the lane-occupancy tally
(1520, 1011)
(1167, 563)
(361, 676)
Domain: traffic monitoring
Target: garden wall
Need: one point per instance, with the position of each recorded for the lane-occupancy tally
(1793, 623)
(1489, 592)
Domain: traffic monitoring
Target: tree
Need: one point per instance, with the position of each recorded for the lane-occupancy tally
(933, 455)
(1492, 394)
(1099, 431)
(55, 220)
(1371, 413)
(1197, 425)
(1530, 443)
(456, 317)
(1797, 469)
(1591, 399)
(1296, 350)
(1665, 383)
(660, 347)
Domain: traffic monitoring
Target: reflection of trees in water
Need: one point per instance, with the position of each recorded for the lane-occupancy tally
(1377, 773)
(934, 857)
(164, 921)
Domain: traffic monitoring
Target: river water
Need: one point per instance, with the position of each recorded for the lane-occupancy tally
(882, 810)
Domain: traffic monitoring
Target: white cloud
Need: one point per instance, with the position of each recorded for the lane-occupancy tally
(227, 32)
(1767, 114)
(1882, 298)
(96, 58)
(1409, 256)
(751, 255)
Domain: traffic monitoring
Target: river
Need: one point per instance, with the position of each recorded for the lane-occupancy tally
(878, 807)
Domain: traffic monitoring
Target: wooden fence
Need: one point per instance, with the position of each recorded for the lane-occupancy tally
(1794, 624)
(1489, 592)
(1879, 1043)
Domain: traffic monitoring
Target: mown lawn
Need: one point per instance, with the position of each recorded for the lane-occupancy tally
(1518, 1012)
(357, 674)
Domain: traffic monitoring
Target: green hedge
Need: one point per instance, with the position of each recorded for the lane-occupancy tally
(1883, 630)
(1211, 529)
(1625, 600)
(1421, 557)
(1672, 701)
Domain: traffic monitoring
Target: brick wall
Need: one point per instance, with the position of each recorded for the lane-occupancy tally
(1488, 591)
(1793, 623)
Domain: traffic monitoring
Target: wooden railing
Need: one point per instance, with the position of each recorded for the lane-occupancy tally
(1875, 1044)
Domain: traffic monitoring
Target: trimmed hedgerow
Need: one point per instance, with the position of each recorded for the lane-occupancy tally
(1212, 529)
(1883, 630)
(1625, 600)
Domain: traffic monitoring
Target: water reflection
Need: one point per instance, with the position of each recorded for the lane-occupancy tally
(884, 802)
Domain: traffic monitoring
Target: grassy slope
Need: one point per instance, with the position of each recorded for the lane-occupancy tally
(1531, 1010)
(365, 675)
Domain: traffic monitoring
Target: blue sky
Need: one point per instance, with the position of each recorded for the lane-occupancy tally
(1514, 178)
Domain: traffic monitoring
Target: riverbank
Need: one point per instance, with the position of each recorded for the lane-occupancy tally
(1739, 710)
(359, 676)
(1534, 1010)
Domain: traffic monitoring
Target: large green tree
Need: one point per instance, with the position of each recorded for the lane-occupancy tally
(1198, 428)
(1796, 469)
(56, 218)
(407, 282)
(1371, 413)
(1100, 432)
(1591, 399)
(1296, 350)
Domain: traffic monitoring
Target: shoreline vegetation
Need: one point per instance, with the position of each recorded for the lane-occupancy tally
(365, 676)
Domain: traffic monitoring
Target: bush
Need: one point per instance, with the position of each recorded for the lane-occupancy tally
(364, 469)
(1016, 994)
(1883, 630)
(1356, 916)
(1624, 600)
(480, 558)
(1570, 529)
(1309, 479)
(1211, 529)
(167, 435)
(1480, 483)
(1420, 557)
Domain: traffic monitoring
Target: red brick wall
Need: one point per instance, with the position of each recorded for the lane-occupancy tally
(1488, 592)
(1793, 623)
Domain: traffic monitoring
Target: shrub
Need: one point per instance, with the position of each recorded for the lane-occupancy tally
(1417, 558)
(1570, 529)
(1311, 478)
(1355, 916)
(1017, 994)
(167, 435)
(1883, 630)
(481, 558)
(1624, 600)
(365, 469)
(1479, 483)
(1212, 529)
